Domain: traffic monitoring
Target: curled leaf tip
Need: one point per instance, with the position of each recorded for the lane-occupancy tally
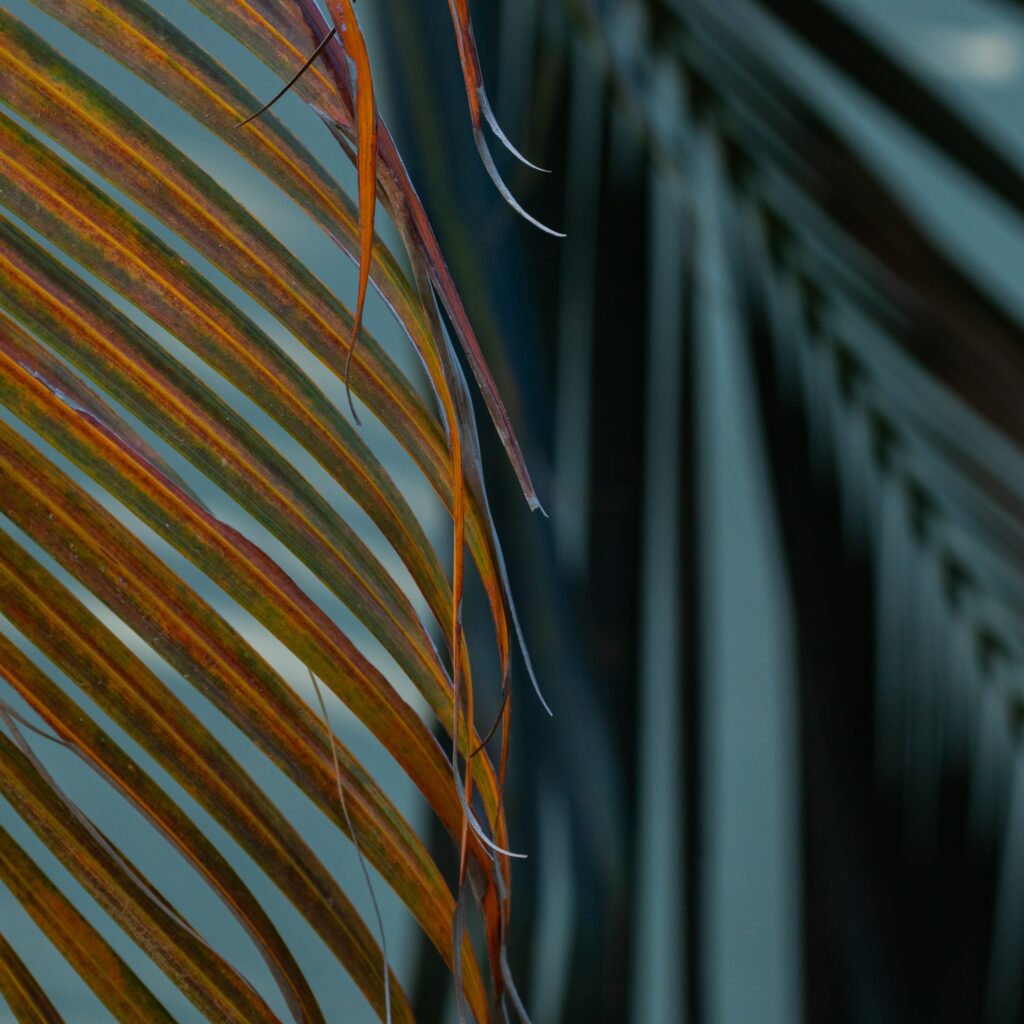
(495, 127)
(540, 696)
(527, 660)
(492, 171)
(469, 818)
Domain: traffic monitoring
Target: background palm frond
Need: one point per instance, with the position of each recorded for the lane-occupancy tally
(773, 214)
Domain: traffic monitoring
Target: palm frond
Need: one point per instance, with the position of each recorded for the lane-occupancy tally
(90, 290)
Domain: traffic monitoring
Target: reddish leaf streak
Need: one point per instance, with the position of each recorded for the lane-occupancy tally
(344, 17)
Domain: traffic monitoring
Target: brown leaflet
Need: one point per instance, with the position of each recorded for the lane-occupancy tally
(111, 979)
(458, 419)
(240, 568)
(459, 460)
(208, 981)
(303, 307)
(96, 748)
(70, 636)
(23, 994)
(282, 43)
(84, 328)
(55, 201)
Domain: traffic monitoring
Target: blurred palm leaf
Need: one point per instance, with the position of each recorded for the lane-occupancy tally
(886, 378)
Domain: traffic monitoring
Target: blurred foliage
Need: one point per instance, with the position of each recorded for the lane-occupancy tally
(887, 384)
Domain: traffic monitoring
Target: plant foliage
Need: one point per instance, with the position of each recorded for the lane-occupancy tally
(76, 164)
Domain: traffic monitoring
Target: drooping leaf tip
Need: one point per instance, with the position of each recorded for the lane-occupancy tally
(485, 106)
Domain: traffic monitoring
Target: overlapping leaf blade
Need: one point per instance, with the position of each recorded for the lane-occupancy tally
(139, 37)
(98, 128)
(113, 981)
(85, 328)
(71, 726)
(282, 36)
(214, 987)
(133, 697)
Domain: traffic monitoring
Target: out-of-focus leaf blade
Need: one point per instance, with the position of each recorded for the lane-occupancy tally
(769, 118)
(835, 35)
